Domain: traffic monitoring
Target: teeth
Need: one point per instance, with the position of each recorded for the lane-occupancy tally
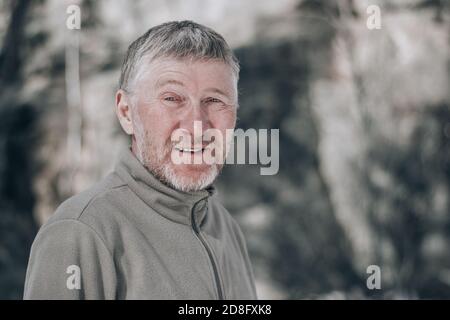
(188, 149)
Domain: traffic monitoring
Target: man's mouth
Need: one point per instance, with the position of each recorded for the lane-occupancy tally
(190, 150)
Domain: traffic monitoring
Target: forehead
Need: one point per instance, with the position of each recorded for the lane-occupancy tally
(189, 72)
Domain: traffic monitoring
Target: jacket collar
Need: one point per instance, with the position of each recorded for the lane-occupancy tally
(173, 204)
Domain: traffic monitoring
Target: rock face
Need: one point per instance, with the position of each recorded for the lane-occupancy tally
(364, 121)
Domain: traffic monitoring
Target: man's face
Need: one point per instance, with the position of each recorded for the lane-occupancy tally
(188, 96)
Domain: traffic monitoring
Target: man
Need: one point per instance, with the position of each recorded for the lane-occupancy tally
(153, 228)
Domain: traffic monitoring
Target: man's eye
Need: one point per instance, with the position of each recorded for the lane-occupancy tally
(172, 100)
(213, 100)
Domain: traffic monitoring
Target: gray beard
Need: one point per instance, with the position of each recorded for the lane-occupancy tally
(164, 172)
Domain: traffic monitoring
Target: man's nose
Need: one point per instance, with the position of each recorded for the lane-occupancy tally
(196, 122)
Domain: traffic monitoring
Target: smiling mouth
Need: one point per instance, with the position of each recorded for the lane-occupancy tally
(190, 150)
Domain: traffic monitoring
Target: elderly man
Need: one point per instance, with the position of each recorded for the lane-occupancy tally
(153, 228)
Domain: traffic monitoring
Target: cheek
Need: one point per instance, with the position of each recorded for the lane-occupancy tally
(225, 123)
(157, 123)
(223, 120)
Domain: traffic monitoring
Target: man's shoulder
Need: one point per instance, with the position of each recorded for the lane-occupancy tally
(86, 202)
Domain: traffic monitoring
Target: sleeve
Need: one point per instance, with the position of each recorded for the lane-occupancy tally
(69, 260)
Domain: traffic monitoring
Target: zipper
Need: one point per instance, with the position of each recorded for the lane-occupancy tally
(208, 250)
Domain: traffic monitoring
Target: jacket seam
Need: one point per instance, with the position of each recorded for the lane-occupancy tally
(83, 224)
(95, 197)
(221, 277)
(205, 255)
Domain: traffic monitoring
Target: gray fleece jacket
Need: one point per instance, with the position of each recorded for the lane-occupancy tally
(132, 237)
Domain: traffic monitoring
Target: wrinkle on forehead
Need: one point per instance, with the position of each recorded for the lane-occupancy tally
(168, 70)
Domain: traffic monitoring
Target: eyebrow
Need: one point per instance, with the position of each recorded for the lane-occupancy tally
(225, 94)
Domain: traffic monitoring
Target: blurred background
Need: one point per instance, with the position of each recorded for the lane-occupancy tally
(364, 119)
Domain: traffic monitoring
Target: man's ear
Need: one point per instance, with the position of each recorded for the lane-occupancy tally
(123, 111)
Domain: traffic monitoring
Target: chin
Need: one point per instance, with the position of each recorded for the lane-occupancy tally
(190, 177)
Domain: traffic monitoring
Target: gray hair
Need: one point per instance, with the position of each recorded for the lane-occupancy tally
(176, 39)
